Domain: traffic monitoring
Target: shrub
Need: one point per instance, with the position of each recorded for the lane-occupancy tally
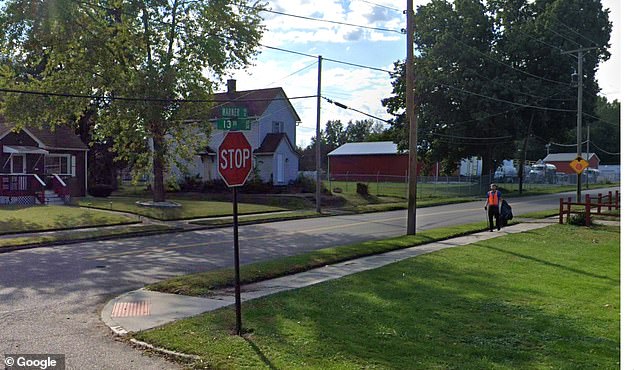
(362, 189)
(191, 183)
(100, 190)
(578, 219)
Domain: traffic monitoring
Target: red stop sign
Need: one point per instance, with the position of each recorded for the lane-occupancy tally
(235, 159)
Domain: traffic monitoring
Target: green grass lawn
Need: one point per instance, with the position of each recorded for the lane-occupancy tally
(201, 284)
(190, 208)
(61, 236)
(15, 219)
(544, 299)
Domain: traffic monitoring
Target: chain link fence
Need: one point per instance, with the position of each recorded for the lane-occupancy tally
(444, 186)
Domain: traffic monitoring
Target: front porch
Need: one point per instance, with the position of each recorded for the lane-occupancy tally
(32, 189)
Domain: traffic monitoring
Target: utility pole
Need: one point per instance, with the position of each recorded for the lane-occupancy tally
(579, 102)
(411, 116)
(318, 141)
(588, 158)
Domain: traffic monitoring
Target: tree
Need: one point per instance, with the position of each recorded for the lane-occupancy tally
(490, 75)
(605, 131)
(149, 66)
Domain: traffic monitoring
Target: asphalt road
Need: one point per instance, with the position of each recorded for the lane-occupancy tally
(50, 298)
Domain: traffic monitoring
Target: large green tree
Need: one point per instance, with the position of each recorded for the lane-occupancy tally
(490, 75)
(150, 66)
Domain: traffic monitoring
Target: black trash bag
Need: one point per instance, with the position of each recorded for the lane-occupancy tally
(506, 213)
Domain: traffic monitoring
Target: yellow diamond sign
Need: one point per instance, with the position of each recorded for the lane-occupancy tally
(579, 164)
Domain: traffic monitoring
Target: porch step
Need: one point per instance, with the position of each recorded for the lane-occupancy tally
(51, 198)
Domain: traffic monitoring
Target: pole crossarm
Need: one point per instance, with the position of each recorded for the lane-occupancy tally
(579, 50)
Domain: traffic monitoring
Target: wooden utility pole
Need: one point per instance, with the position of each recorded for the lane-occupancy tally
(318, 141)
(579, 103)
(411, 117)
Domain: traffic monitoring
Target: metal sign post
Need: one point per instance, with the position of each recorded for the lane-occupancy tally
(236, 263)
(234, 166)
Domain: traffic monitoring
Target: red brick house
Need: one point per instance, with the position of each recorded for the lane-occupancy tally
(562, 161)
(40, 166)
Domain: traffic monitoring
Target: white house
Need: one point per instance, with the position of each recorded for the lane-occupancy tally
(272, 135)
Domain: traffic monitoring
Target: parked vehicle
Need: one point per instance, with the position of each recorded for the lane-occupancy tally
(543, 173)
(506, 172)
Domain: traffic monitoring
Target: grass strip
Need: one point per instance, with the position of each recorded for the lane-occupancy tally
(385, 207)
(201, 284)
(245, 220)
(17, 219)
(81, 235)
(543, 299)
(189, 209)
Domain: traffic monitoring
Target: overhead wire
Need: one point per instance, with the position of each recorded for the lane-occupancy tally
(344, 106)
(508, 101)
(334, 22)
(381, 6)
(508, 65)
(142, 99)
(325, 59)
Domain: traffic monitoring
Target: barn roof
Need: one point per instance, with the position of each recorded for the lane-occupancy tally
(566, 157)
(366, 148)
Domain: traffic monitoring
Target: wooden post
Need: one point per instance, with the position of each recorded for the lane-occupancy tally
(610, 200)
(587, 209)
(616, 200)
(599, 203)
(568, 209)
(561, 211)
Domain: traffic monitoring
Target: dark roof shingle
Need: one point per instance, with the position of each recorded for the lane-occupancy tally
(62, 137)
(256, 101)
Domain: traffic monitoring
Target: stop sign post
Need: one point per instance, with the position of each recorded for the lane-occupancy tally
(235, 163)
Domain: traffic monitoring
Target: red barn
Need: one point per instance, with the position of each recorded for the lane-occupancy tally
(368, 161)
(562, 161)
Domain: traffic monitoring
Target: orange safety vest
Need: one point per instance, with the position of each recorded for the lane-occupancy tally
(493, 198)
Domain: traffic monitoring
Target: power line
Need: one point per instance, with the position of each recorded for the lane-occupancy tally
(505, 112)
(327, 59)
(382, 6)
(472, 137)
(601, 120)
(508, 65)
(334, 22)
(604, 151)
(508, 101)
(343, 106)
(144, 99)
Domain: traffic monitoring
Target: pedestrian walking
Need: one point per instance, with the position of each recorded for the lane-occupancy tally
(492, 205)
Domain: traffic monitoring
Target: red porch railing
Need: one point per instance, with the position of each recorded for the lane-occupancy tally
(592, 205)
(60, 187)
(22, 185)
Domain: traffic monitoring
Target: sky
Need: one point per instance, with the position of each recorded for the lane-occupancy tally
(358, 88)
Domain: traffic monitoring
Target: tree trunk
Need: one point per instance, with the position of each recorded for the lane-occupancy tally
(520, 171)
(158, 165)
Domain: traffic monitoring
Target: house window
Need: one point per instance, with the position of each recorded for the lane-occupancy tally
(278, 127)
(58, 164)
(18, 163)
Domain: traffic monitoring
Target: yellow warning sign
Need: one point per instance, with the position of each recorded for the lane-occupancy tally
(579, 164)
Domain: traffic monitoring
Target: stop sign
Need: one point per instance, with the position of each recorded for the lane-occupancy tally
(235, 159)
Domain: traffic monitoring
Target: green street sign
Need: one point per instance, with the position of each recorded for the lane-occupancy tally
(234, 124)
(233, 112)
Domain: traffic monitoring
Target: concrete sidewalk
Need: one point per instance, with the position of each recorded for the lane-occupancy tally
(143, 309)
